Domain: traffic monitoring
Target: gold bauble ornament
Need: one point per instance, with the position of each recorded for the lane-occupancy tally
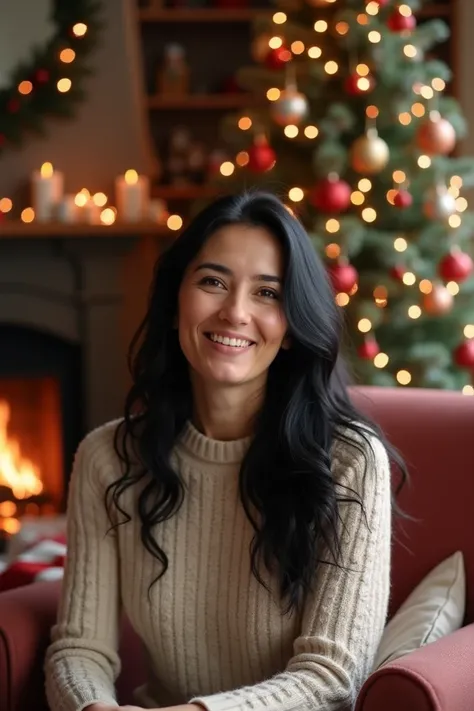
(290, 108)
(436, 136)
(439, 204)
(439, 301)
(369, 153)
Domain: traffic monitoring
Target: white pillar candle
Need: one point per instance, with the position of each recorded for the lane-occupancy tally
(66, 210)
(90, 213)
(132, 195)
(47, 191)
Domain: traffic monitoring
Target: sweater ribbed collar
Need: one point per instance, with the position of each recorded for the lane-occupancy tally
(212, 450)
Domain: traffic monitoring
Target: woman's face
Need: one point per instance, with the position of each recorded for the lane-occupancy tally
(230, 316)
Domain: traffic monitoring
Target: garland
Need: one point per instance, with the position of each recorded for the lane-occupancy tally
(50, 83)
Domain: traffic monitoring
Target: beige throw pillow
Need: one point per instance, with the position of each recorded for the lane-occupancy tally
(433, 610)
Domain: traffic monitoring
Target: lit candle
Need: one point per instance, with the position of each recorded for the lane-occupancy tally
(47, 191)
(66, 210)
(132, 192)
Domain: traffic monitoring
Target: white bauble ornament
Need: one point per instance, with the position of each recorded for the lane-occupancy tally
(439, 204)
(290, 108)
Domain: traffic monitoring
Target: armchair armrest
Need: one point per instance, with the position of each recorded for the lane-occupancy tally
(438, 677)
(26, 617)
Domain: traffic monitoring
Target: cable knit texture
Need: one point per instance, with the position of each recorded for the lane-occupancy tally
(212, 633)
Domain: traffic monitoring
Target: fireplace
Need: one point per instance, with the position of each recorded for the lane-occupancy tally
(62, 360)
(40, 422)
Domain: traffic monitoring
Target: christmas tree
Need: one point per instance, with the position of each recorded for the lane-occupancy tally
(353, 123)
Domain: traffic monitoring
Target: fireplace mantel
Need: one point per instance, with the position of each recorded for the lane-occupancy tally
(66, 280)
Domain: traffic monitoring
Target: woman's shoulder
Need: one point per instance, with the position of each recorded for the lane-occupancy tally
(358, 448)
(97, 449)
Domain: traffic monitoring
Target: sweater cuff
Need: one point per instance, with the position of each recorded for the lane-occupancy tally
(218, 702)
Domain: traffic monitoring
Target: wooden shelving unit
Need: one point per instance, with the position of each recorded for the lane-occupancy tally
(198, 102)
(59, 230)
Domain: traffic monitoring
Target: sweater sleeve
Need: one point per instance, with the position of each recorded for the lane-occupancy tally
(82, 661)
(342, 623)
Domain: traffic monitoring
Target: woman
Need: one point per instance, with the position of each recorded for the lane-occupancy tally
(240, 512)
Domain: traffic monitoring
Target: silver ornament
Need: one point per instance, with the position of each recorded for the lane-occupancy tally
(290, 108)
(439, 204)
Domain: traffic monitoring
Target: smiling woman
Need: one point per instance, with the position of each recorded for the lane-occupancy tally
(44, 49)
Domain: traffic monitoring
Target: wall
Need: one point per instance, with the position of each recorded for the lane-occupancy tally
(463, 62)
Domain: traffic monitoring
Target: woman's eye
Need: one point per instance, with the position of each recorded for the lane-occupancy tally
(269, 294)
(211, 281)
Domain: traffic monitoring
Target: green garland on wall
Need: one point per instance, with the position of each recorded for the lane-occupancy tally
(48, 84)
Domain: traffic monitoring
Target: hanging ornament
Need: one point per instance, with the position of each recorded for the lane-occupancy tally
(277, 58)
(464, 354)
(436, 136)
(402, 199)
(369, 349)
(343, 277)
(331, 194)
(369, 153)
(260, 47)
(439, 301)
(355, 85)
(262, 157)
(456, 266)
(290, 108)
(439, 204)
(401, 23)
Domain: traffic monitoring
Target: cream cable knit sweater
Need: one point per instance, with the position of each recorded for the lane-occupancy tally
(212, 633)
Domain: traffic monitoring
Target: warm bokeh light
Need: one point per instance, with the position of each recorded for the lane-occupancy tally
(469, 331)
(275, 42)
(331, 67)
(99, 199)
(279, 18)
(414, 311)
(410, 51)
(438, 84)
(174, 222)
(242, 158)
(131, 177)
(46, 170)
(357, 198)
(427, 92)
(333, 225)
(362, 19)
(405, 118)
(245, 123)
(291, 131)
(456, 181)
(405, 10)
(227, 168)
(374, 37)
(418, 109)
(453, 288)
(372, 112)
(321, 26)
(363, 84)
(424, 161)
(364, 185)
(333, 250)
(399, 176)
(400, 244)
(342, 28)
(468, 390)
(297, 47)
(409, 278)
(403, 377)
(461, 204)
(81, 199)
(79, 29)
(391, 196)
(28, 214)
(64, 85)
(455, 221)
(369, 214)
(315, 52)
(273, 94)
(425, 286)
(311, 132)
(296, 194)
(25, 88)
(362, 70)
(342, 299)
(67, 56)
(372, 8)
(108, 216)
(381, 360)
(5, 205)
(364, 325)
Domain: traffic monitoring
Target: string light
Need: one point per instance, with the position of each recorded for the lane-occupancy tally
(279, 18)
(273, 94)
(405, 118)
(297, 47)
(410, 51)
(291, 131)
(357, 198)
(5, 205)
(67, 55)
(296, 194)
(311, 132)
(409, 278)
(242, 158)
(174, 222)
(362, 19)
(331, 67)
(371, 112)
(364, 325)
(425, 286)
(226, 169)
(399, 176)
(314, 52)
(80, 200)
(455, 221)
(453, 288)
(333, 225)
(342, 299)
(403, 377)
(342, 28)
(374, 37)
(64, 85)
(381, 360)
(369, 214)
(99, 199)
(438, 84)
(468, 390)
(79, 29)
(424, 161)
(427, 92)
(275, 42)
(414, 311)
(320, 26)
(333, 250)
(362, 70)
(27, 215)
(400, 244)
(245, 123)
(469, 331)
(25, 88)
(364, 185)
(418, 109)
(372, 8)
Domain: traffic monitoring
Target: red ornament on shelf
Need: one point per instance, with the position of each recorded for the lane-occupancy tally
(355, 85)
(456, 266)
(402, 199)
(401, 23)
(277, 58)
(397, 272)
(262, 157)
(331, 194)
(343, 277)
(464, 354)
(369, 349)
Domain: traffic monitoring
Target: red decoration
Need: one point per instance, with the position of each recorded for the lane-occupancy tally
(42, 76)
(401, 23)
(13, 106)
(402, 199)
(397, 272)
(343, 277)
(277, 58)
(456, 266)
(331, 195)
(436, 135)
(262, 157)
(353, 83)
(464, 354)
(369, 349)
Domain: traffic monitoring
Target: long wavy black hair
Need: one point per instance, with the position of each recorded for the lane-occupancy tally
(286, 486)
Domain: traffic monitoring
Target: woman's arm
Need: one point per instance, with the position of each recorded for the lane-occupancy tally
(343, 622)
(82, 661)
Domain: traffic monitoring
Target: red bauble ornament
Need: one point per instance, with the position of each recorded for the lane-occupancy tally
(397, 272)
(343, 277)
(331, 195)
(464, 354)
(401, 23)
(277, 58)
(436, 135)
(369, 349)
(355, 85)
(402, 199)
(262, 157)
(456, 266)
(42, 76)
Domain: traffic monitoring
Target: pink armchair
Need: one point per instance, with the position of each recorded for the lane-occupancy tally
(435, 432)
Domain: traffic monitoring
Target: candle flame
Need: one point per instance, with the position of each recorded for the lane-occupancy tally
(131, 177)
(81, 199)
(47, 170)
(100, 199)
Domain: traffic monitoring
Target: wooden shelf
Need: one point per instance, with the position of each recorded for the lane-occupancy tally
(55, 230)
(201, 101)
(185, 192)
(211, 14)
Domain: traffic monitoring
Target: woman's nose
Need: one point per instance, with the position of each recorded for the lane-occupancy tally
(235, 309)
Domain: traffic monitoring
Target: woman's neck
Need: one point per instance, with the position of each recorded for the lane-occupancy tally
(226, 413)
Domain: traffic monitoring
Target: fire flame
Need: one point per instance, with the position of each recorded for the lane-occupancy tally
(16, 472)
